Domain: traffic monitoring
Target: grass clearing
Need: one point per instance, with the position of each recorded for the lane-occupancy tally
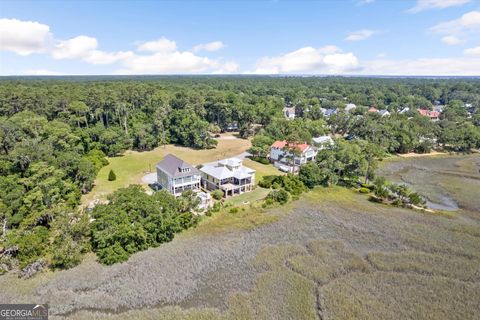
(246, 218)
(133, 165)
(249, 197)
(262, 169)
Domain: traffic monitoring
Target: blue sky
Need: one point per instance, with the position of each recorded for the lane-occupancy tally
(424, 37)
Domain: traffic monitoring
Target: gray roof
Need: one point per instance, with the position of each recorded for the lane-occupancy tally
(172, 166)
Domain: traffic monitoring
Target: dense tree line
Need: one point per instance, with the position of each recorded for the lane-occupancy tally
(56, 132)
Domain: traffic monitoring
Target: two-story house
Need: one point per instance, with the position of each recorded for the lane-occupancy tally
(176, 176)
(289, 157)
(228, 175)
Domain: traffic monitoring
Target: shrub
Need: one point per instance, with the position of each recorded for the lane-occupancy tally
(261, 160)
(364, 190)
(112, 176)
(281, 196)
(290, 183)
(233, 210)
(217, 194)
(267, 181)
(368, 186)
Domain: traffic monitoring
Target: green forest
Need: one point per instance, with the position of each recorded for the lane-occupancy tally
(56, 132)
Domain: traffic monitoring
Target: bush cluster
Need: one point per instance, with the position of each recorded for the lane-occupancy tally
(134, 221)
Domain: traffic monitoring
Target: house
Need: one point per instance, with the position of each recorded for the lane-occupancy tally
(228, 175)
(289, 113)
(176, 176)
(328, 112)
(404, 110)
(322, 142)
(349, 107)
(384, 113)
(289, 157)
(433, 115)
(439, 108)
(373, 110)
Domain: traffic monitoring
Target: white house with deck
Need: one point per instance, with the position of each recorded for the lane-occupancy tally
(288, 156)
(228, 175)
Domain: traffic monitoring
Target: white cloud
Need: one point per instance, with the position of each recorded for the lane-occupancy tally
(176, 62)
(469, 22)
(42, 72)
(228, 67)
(24, 37)
(472, 51)
(85, 48)
(101, 57)
(423, 5)
(159, 45)
(452, 40)
(360, 35)
(211, 46)
(75, 48)
(461, 66)
(325, 60)
(459, 30)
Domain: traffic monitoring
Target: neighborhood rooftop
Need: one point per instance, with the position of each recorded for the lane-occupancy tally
(228, 168)
(176, 167)
(282, 144)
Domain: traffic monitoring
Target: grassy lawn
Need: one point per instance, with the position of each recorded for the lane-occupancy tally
(262, 169)
(246, 218)
(252, 196)
(133, 165)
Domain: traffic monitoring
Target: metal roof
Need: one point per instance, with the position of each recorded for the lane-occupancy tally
(173, 166)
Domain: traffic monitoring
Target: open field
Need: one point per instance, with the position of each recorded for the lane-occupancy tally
(133, 165)
(330, 255)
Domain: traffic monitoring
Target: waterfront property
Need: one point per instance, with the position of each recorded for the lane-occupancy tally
(289, 156)
(228, 175)
(176, 175)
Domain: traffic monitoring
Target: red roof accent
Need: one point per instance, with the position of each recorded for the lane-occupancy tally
(423, 112)
(279, 144)
(428, 113)
(373, 109)
(282, 144)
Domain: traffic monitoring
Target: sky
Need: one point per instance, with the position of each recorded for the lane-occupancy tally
(328, 37)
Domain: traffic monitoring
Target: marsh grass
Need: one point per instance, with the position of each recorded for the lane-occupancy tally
(383, 295)
(427, 264)
(332, 254)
